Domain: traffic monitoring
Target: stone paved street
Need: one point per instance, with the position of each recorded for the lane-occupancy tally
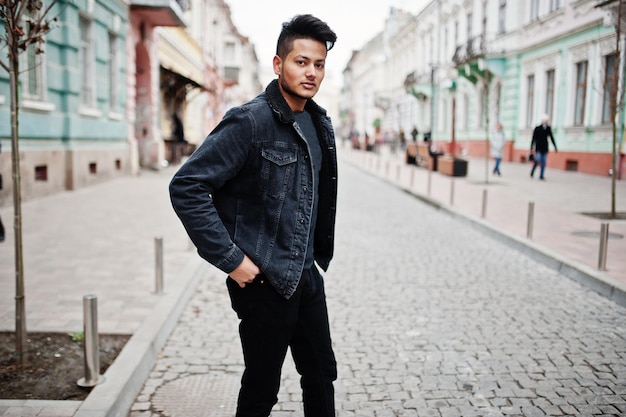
(430, 317)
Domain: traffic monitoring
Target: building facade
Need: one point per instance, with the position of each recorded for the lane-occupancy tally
(458, 67)
(72, 124)
(99, 102)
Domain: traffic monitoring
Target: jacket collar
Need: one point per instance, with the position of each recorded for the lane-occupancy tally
(279, 105)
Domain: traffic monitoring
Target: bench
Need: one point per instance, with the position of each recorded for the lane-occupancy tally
(420, 155)
(454, 167)
(411, 154)
(423, 152)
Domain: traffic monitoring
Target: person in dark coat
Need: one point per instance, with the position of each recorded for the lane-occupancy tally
(539, 146)
(258, 200)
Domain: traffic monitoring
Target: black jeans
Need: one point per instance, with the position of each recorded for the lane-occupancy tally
(269, 325)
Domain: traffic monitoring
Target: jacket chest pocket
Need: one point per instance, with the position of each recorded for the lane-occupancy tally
(279, 169)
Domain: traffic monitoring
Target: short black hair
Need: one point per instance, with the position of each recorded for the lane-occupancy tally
(304, 26)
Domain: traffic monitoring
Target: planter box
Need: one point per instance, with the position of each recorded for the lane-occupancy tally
(453, 167)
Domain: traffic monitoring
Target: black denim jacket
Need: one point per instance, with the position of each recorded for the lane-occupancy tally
(248, 189)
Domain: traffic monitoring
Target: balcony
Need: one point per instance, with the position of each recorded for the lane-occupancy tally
(472, 50)
(160, 12)
(614, 11)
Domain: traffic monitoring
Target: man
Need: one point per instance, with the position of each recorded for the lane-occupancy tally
(258, 199)
(540, 145)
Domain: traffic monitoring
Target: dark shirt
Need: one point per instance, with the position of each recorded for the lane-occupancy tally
(306, 124)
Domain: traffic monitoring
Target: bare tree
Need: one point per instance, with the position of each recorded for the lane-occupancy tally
(25, 24)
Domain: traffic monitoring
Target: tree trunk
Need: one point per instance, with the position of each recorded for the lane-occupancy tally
(615, 106)
(20, 302)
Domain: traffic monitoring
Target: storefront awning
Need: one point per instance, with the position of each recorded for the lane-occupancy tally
(179, 54)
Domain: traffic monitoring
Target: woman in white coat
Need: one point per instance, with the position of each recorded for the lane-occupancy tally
(497, 147)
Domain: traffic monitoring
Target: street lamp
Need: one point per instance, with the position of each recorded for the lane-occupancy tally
(452, 89)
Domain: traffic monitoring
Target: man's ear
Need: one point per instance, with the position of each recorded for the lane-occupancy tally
(277, 63)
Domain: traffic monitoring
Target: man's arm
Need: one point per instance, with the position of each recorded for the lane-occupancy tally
(192, 189)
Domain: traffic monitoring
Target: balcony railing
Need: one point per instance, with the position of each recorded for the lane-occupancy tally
(471, 50)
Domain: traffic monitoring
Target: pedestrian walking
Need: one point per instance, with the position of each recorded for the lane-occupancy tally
(539, 146)
(497, 147)
(258, 200)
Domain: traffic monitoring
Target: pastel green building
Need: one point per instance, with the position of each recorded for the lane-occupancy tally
(72, 126)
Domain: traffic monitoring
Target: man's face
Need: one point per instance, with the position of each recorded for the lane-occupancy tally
(301, 73)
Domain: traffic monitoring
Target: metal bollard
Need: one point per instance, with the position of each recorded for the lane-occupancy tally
(484, 207)
(158, 246)
(412, 181)
(429, 182)
(398, 173)
(604, 243)
(451, 192)
(531, 219)
(90, 344)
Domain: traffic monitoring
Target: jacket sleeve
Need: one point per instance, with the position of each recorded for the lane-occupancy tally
(192, 190)
(552, 138)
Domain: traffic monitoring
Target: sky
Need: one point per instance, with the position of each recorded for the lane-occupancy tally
(354, 21)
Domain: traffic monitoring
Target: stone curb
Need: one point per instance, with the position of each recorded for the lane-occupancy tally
(126, 376)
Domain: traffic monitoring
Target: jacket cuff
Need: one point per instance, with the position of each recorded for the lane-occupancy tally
(232, 261)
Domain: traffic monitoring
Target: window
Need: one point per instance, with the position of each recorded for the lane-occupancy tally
(85, 62)
(581, 90)
(534, 10)
(33, 73)
(502, 17)
(549, 92)
(610, 82)
(431, 49)
(231, 74)
(229, 51)
(113, 73)
(482, 107)
(498, 95)
(466, 112)
(555, 5)
(484, 26)
(33, 65)
(530, 100)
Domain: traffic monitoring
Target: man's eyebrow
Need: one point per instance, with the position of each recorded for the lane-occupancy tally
(310, 59)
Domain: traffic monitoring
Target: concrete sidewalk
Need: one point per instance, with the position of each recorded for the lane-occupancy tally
(101, 240)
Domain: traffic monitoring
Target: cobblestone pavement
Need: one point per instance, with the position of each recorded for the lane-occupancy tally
(430, 317)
